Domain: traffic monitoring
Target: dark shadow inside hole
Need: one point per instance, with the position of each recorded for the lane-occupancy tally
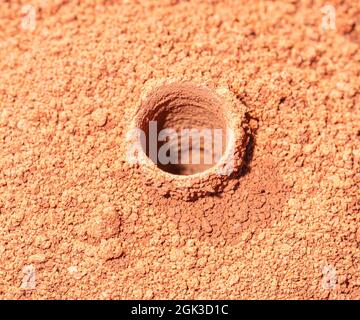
(185, 108)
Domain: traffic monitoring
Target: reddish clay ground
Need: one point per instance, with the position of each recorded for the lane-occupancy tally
(80, 217)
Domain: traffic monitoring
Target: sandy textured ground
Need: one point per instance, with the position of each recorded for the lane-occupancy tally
(77, 221)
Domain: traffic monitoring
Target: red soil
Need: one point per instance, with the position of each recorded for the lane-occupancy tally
(73, 209)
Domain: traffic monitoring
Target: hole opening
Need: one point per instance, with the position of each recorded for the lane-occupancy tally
(185, 129)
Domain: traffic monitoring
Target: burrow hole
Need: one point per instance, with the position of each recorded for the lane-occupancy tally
(184, 127)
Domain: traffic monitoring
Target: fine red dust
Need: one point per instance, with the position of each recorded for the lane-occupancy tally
(77, 221)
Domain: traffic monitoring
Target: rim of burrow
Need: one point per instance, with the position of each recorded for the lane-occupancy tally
(212, 180)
